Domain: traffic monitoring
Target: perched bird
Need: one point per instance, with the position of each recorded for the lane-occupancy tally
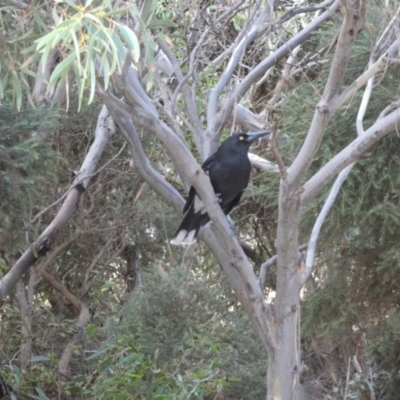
(229, 171)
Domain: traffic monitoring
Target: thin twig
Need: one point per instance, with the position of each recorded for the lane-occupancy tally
(341, 178)
(257, 72)
(275, 152)
(38, 215)
(239, 38)
(233, 62)
(194, 53)
(347, 380)
(272, 261)
(391, 107)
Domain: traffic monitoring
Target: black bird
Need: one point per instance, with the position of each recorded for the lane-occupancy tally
(229, 171)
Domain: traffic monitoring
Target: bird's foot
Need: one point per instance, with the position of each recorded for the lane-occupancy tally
(218, 198)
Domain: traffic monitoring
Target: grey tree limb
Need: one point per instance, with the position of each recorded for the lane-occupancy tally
(349, 154)
(376, 67)
(214, 63)
(328, 103)
(226, 247)
(329, 202)
(257, 72)
(271, 262)
(187, 96)
(289, 266)
(226, 76)
(104, 130)
(199, 45)
(142, 163)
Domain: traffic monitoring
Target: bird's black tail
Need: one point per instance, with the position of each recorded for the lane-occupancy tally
(190, 226)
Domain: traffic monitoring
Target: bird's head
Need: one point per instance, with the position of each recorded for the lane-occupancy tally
(246, 139)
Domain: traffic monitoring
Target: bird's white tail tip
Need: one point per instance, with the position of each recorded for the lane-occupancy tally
(183, 238)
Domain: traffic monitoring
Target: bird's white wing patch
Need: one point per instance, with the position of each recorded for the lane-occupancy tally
(198, 205)
(177, 240)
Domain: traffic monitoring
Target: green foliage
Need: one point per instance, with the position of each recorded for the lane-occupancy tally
(355, 293)
(92, 40)
(185, 336)
(18, 30)
(384, 349)
(180, 339)
(86, 35)
(27, 167)
(358, 387)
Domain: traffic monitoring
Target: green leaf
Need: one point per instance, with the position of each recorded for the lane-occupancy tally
(92, 80)
(136, 15)
(63, 67)
(56, 17)
(106, 71)
(116, 12)
(75, 389)
(98, 353)
(39, 20)
(105, 364)
(93, 18)
(17, 90)
(67, 23)
(90, 330)
(161, 23)
(43, 41)
(32, 48)
(79, 83)
(118, 45)
(71, 3)
(17, 374)
(131, 40)
(35, 75)
(41, 394)
(3, 84)
(77, 51)
(113, 49)
(147, 11)
(39, 358)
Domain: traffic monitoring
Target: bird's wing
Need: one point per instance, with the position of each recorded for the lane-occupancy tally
(227, 208)
(190, 199)
(207, 167)
(208, 164)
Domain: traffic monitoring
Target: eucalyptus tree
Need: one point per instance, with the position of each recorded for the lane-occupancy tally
(185, 73)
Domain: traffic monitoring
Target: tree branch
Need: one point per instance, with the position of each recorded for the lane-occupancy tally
(301, 10)
(349, 154)
(271, 60)
(197, 48)
(227, 74)
(225, 246)
(120, 114)
(272, 261)
(345, 172)
(187, 97)
(214, 63)
(352, 24)
(82, 321)
(375, 68)
(104, 130)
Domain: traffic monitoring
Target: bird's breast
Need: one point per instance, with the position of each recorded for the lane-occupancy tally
(231, 178)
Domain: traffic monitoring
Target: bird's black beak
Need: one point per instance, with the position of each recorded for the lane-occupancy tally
(256, 135)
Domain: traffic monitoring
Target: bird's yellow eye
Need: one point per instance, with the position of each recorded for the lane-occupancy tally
(241, 137)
